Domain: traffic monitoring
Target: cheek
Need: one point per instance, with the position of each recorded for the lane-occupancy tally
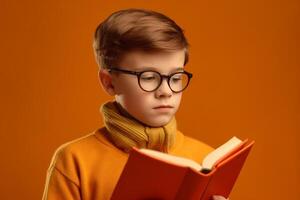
(131, 95)
(138, 105)
(126, 85)
(139, 100)
(178, 99)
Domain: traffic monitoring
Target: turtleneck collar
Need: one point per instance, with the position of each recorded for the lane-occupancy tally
(125, 131)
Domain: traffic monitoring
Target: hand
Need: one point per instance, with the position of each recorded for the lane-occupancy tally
(217, 197)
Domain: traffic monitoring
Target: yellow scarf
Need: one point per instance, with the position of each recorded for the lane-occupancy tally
(126, 132)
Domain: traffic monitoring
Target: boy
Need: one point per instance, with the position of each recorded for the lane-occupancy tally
(141, 55)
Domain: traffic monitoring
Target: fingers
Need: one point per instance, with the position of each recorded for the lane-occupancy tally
(217, 197)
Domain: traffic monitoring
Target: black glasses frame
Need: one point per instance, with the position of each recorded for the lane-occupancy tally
(168, 77)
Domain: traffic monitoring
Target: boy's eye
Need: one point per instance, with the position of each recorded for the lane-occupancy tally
(176, 78)
(148, 78)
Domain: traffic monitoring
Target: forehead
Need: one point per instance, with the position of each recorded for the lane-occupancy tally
(163, 62)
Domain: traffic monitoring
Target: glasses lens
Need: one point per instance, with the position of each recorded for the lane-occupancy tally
(179, 81)
(149, 81)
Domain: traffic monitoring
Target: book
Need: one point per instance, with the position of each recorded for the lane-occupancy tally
(150, 174)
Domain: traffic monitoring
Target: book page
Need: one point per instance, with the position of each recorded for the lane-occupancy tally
(184, 162)
(214, 156)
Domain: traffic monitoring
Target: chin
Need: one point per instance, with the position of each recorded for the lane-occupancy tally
(159, 123)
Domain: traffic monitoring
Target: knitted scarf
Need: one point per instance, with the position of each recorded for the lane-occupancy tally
(126, 132)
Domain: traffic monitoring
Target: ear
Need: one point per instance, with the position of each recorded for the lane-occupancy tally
(106, 81)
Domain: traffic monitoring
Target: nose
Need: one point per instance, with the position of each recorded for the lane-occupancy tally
(164, 90)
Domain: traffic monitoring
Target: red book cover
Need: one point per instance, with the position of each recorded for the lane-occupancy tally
(145, 177)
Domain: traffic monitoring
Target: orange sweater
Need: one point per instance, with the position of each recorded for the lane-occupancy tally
(88, 168)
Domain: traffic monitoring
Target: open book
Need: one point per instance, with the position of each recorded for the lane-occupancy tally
(208, 162)
(149, 174)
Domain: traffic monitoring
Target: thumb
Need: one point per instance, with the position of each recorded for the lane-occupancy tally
(218, 197)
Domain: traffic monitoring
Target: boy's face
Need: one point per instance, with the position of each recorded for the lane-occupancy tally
(152, 108)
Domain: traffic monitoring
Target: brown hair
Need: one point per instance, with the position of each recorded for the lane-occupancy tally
(136, 29)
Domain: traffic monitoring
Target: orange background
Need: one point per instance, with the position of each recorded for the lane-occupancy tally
(245, 61)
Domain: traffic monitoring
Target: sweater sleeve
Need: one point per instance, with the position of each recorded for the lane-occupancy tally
(61, 181)
(60, 187)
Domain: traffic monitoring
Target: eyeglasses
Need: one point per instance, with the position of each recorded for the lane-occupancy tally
(150, 81)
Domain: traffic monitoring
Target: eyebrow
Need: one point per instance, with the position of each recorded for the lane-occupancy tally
(155, 69)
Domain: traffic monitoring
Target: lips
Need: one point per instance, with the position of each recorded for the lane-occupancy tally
(163, 106)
